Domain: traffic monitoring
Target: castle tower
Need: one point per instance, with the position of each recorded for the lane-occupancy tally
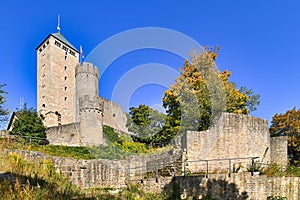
(87, 78)
(89, 109)
(56, 62)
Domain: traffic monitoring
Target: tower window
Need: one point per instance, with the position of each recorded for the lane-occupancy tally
(65, 67)
(65, 98)
(57, 43)
(65, 78)
(72, 53)
(43, 105)
(65, 88)
(65, 48)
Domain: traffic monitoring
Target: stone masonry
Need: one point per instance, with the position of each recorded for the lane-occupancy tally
(232, 137)
(68, 93)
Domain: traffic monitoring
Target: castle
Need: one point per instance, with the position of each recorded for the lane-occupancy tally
(74, 114)
(68, 96)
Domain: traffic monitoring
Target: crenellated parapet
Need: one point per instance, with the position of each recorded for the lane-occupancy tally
(87, 104)
(86, 69)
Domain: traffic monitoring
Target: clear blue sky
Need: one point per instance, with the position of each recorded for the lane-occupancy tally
(260, 42)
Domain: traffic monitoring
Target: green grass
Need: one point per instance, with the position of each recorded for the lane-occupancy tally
(42, 181)
(117, 148)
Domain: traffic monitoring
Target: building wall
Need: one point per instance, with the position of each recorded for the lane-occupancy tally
(233, 136)
(56, 82)
(68, 135)
(113, 115)
(279, 150)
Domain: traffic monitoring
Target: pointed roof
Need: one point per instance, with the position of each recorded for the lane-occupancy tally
(61, 38)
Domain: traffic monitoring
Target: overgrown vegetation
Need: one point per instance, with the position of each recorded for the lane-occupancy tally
(116, 148)
(20, 179)
(279, 171)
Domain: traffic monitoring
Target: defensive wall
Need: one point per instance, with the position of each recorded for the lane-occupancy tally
(234, 136)
(115, 174)
(232, 141)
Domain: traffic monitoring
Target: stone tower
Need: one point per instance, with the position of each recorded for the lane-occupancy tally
(87, 78)
(89, 107)
(56, 62)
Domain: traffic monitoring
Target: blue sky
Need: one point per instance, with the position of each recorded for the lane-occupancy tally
(259, 42)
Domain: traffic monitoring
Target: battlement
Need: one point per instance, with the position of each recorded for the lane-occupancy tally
(87, 104)
(88, 69)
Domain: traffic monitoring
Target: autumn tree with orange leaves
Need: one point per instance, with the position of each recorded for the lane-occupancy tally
(288, 124)
(202, 92)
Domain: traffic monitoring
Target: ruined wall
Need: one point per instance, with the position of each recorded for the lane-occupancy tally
(64, 135)
(233, 136)
(279, 150)
(116, 174)
(84, 173)
(113, 115)
(238, 186)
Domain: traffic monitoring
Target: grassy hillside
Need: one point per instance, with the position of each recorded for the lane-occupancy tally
(23, 180)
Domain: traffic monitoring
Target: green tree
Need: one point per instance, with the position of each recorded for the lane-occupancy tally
(3, 110)
(201, 93)
(288, 124)
(29, 126)
(145, 121)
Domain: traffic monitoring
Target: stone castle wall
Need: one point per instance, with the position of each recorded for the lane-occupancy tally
(113, 115)
(238, 186)
(116, 174)
(84, 173)
(68, 135)
(279, 150)
(233, 136)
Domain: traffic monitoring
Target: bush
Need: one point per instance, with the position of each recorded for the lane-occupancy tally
(109, 134)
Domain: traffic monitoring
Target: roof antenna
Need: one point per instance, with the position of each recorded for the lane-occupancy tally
(58, 24)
